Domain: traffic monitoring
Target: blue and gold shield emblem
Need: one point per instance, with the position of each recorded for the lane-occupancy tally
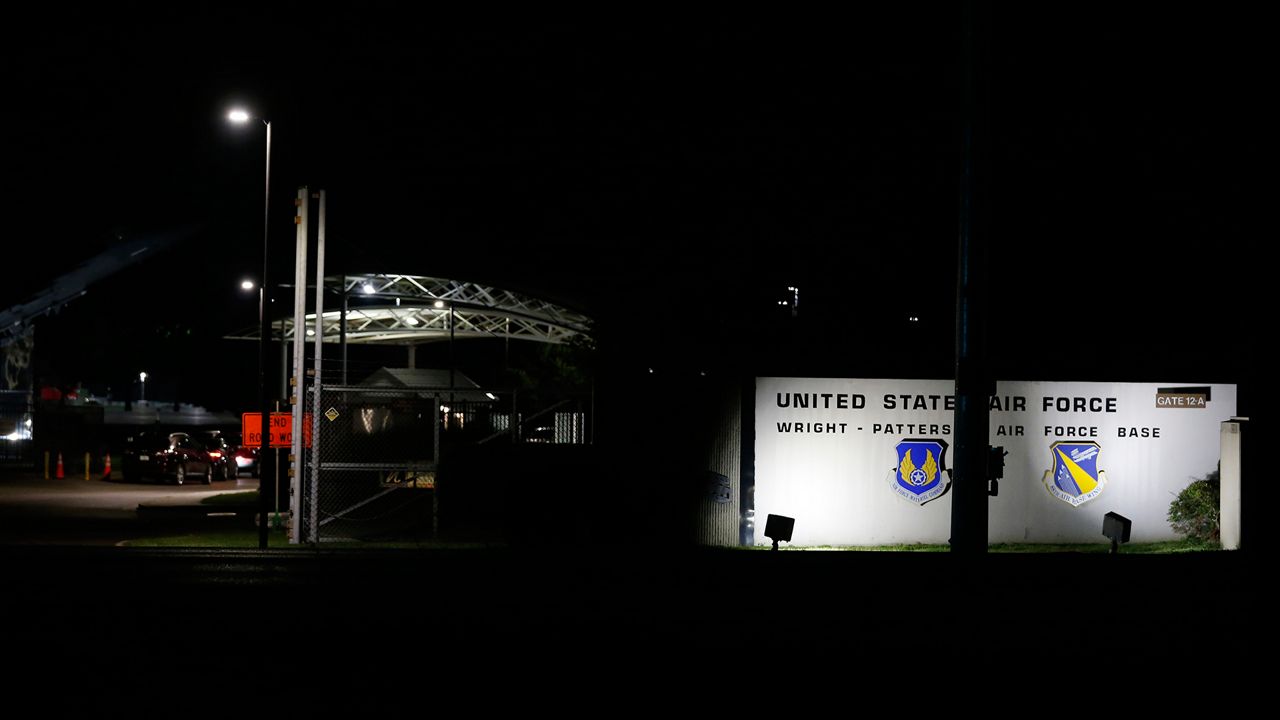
(1074, 476)
(920, 475)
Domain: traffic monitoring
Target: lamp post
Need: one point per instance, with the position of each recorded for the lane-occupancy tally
(240, 116)
(142, 387)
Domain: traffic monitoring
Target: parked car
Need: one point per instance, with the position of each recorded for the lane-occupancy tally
(246, 459)
(175, 456)
(220, 456)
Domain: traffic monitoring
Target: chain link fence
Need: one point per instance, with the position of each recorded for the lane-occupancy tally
(373, 470)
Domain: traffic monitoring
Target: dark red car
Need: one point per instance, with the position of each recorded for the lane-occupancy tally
(169, 456)
(220, 456)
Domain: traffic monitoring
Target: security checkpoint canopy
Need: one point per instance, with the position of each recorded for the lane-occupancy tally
(457, 385)
(410, 309)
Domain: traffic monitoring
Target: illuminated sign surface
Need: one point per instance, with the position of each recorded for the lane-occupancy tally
(281, 430)
(866, 461)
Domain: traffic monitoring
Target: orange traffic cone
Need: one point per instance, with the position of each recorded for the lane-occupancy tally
(59, 474)
(106, 471)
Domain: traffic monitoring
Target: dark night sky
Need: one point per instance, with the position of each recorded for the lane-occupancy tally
(664, 173)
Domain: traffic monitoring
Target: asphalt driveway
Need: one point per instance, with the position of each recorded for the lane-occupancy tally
(76, 511)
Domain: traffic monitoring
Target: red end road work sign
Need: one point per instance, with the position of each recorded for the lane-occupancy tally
(281, 429)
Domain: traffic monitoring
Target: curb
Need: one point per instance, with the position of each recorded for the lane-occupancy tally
(194, 511)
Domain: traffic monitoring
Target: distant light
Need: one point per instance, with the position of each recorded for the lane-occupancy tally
(142, 377)
(310, 332)
(913, 318)
(650, 371)
(439, 304)
(367, 289)
(22, 433)
(397, 302)
(246, 284)
(491, 396)
(444, 408)
(411, 320)
(238, 116)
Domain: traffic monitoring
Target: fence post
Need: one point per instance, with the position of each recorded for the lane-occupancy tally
(313, 487)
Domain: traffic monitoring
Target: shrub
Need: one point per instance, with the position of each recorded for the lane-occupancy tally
(1194, 512)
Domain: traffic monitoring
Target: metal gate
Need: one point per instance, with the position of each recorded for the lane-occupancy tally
(371, 474)
(372, 470)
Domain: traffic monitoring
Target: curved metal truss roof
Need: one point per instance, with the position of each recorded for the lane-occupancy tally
(408, 309)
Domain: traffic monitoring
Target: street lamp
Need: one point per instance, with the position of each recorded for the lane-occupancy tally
(241, 116)
(142, 387)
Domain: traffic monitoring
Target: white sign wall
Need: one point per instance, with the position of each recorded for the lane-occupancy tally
(830, 453)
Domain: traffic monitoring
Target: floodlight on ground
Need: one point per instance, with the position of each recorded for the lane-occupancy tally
(1116, 527)
(995, 468)
(778, 529)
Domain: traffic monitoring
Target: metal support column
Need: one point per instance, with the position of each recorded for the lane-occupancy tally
(342, 330)
(452, 362)
(298, 381)
(284, 366)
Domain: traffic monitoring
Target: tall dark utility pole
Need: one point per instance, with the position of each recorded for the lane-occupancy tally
(265, 465)
(973, 380)
(241, 116)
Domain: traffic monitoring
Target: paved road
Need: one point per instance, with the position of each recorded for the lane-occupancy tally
(339, 629)
(90, 512)
(349, 626)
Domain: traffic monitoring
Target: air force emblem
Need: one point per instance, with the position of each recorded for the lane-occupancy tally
(1074, 476)
(920, 475)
